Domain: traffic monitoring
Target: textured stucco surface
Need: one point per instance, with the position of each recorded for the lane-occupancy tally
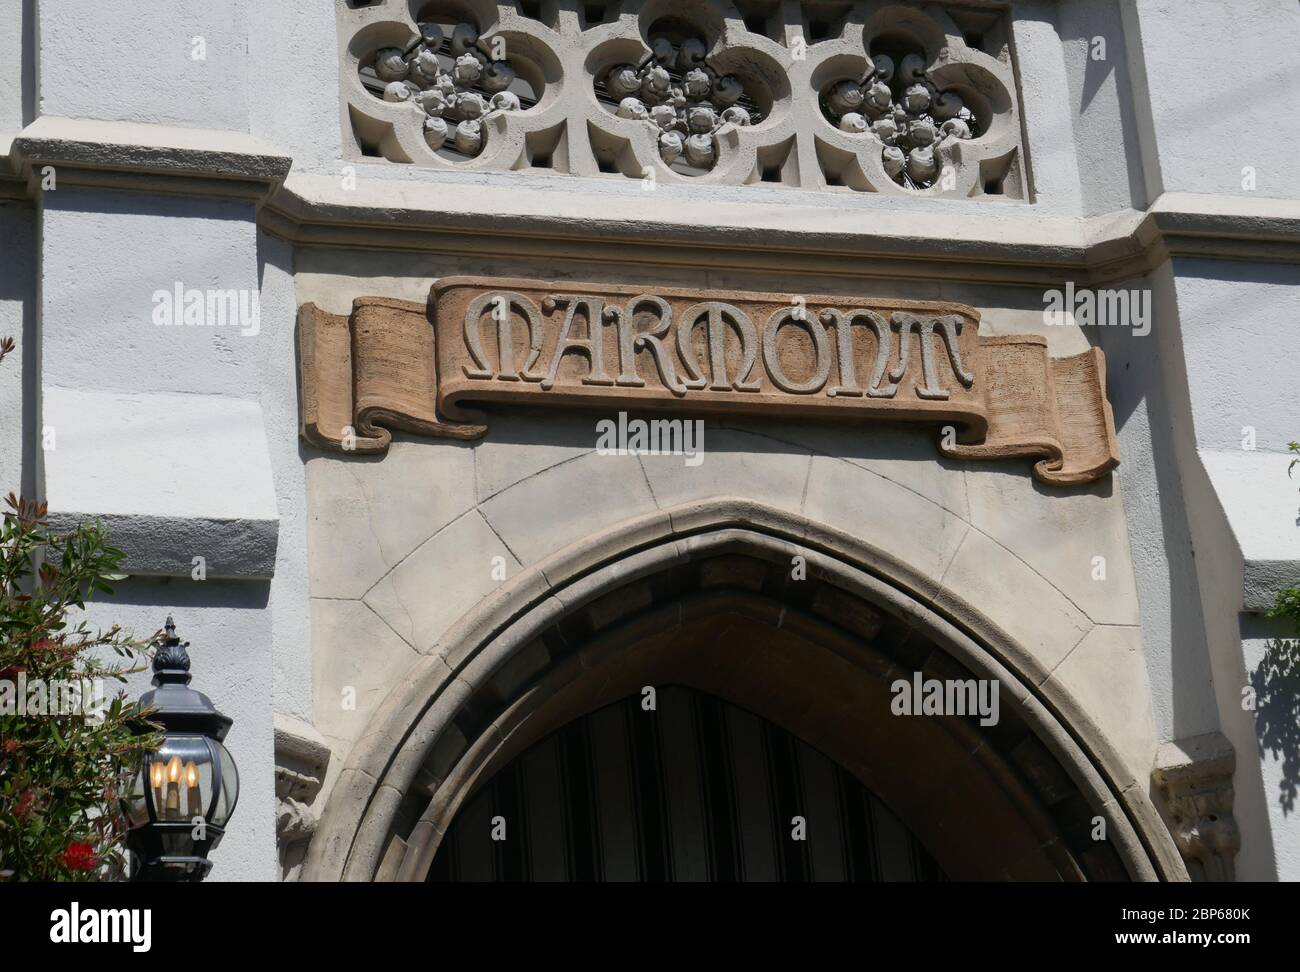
(1096, 53)
(17, 74)
(163, 80)
(289, 606)
(163, 430)
(1205, 135)
(105, 255)
(1237, 487)
(18, 321)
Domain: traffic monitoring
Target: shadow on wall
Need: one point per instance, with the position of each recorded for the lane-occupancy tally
(1276, 685)
(1094, 32)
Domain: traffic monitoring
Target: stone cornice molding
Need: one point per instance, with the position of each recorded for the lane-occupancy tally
(681, 228)
(12, 187)
(746, 228)
(884, 240)
(1185, 224)
(149, 158)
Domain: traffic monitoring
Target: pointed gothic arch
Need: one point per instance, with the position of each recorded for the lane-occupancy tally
(704, 596)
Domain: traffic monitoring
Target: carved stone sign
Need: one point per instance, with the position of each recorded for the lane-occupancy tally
(398, 365)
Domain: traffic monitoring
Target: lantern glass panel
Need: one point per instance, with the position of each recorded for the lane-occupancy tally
(229, 787)
(137, 811)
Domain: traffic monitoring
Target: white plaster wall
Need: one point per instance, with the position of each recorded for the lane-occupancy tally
(104, 256)
(1095, 50)
(251, 638)
(178, 403)
(132, 60)
(16, 64)
(17, 320)
(180, 412)
(1220, 79)
(135, 455)
(1147, 415)
(277, 368)
(1239, 347)
(293, 81)
(1241, 344)
(1217, 364)
(1264, 650)
(1259, 806)
(1214, 362)
(1044, 93)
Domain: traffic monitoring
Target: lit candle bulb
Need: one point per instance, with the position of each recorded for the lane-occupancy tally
(193, 802)
(173, 787)
(156, 783)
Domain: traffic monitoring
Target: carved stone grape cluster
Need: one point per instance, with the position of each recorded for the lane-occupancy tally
(906, 111)
(682, 97)
(455, 101)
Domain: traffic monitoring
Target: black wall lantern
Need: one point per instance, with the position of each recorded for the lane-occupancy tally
(185, 791)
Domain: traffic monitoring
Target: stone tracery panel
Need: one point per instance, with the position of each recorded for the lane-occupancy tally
(869, 96)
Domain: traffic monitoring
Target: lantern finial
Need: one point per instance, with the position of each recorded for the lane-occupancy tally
(171, 662)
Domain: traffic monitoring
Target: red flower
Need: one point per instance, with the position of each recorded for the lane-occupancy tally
(80, 856)
(26, 800)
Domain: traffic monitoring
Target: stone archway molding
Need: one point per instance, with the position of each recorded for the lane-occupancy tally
(419, 713)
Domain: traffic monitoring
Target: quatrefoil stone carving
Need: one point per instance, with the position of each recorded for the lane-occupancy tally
(891, 98)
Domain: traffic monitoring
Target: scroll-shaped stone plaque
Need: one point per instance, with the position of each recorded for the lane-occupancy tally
(398, 365)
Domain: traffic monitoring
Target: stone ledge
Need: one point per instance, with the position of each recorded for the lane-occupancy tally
(568, 218)
(174, 477)
(1204, 214)
(152, 158)
(884, 237)
(1261, 503)
(590, 218)
(881, 237)
(1262, 580)
(13, 188)
(1221, 227)
(161, 546)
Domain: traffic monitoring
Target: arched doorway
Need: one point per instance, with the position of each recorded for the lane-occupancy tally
(708, 597)
(677, 785)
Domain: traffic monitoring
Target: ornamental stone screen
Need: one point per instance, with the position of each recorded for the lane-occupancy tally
(870, 97)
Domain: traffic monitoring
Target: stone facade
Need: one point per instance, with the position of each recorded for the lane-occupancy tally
(208, 272)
